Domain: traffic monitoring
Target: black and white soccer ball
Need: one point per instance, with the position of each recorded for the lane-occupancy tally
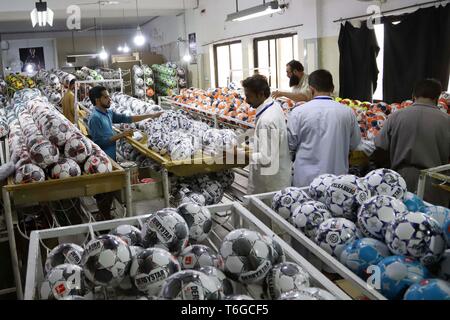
(310, 293)
(181, 151)
(247, 256)
(106, 260)
(416, 235)
(78, 148)
(44, 154)
(62, 281)
(194, 197)
(28, 173)
(4, 128)
(287, 200)
(277, 252)
(226, 178)
(97, 163)
(212, 191)
(345, 195)
(65, 168)
(127, 286)
(57, 131)
(386, 182)
(128, 233)
(158, 141)
(285, 277)
(335, 234)
(309, 215)
(191, 285)
(197, 256)
(319, 185)
(69, 253)
(198, 219)
(376, 213)
(227, 285)
(238, 297)
(166, 229)
(151, 267)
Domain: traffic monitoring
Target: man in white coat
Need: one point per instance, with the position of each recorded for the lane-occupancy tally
(270, 163)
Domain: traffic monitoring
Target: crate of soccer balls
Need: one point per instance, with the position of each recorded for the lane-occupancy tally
(223, 251)
(369, 230)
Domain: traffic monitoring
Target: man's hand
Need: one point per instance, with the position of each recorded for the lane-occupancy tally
(127, 133)
(276, 94)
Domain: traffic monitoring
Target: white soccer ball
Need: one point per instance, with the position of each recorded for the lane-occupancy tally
(57, 132)
(287, 200)
(197, 256)
(335, 234)
(65, 168)
(63, 281)
(212, 191)
(4, 128)
(386, 182)
(97, 164)
(285, 277)
(319, 185)
(308, 216)
(78, 148)
(198, 219)
(44, 154)
(128, 233)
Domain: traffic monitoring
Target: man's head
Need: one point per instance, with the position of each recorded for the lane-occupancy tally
(321, 83)
(256, 89)
(99, 97)
(72, 84)
(427, 91)
(294, 71)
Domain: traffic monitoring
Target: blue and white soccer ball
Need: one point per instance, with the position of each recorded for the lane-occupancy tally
(414, 203)
(309, 215)
(362, 253)
(319, 185)
(376, 213)
(345, 195)
(398, 273)
(386, 182)
(335, 234)
(287, 200)
(429, 289)
(285, 277)
(440, 214)
(416, 235)
(198, 219)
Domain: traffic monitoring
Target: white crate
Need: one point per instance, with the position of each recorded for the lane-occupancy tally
(226, 217)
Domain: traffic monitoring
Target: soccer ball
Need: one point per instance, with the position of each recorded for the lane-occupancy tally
(159, 142)
(238, 297)
(386, 182)
(376, 213)
(4, 128)
(416, 235)
(429, 289)
(226, 284)
(414, 203)
(229, 138)
(335, 234)
(226, 178)
(297, 295)
(287, 200)
(166, 229)
(78, 148)
(285, 277)
(212, 191)
(137, 70)
(444, 266)
(398, 273)
(62, 281)
(345, 195)
(198, 220)
(57, 132)
(97, 164)
(139, 82)
(65, 168)
(440, 214)
(151, 267)
(309, 215)
(29, 173)
(128, 233)
(181, 151)
(194, 197)
(106, 260)
(319, 185)
(277, 252)
(362, 253)
(64, 253)
(127, 286)
(197, 256)
(44, 154)
(191, 285)
(247, 256)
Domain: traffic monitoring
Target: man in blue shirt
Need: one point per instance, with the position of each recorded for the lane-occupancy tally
(101, 132)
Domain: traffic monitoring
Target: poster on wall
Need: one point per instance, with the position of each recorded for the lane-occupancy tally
(193, 47)
(32, 59)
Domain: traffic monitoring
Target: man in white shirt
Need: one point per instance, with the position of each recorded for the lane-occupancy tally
(321, 133)
(298, 81)
(270, 164)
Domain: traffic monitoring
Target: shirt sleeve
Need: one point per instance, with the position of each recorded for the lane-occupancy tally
(97, 133)
(355, 137)
(383, 140)
(120, 118)
(292, 127)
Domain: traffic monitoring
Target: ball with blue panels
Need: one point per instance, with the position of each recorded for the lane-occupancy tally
(386, 182)
(429, 289)
(414, 203)
(416, 235)
(362, 253)
(319, 185)
(440, 214)
(398, 273)
(309, 215)
(287, 200)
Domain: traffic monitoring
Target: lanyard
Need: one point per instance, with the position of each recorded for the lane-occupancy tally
(323, 98)
(264, 109)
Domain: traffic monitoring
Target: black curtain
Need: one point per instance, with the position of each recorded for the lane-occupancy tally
(358, 71)
(416, 48)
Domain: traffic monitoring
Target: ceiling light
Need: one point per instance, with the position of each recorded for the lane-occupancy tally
(103, 55)
(187, 57)
(120, 48)
(41, 15)
(125, 48)
(29, 68)
(258, 11)
(139, 38)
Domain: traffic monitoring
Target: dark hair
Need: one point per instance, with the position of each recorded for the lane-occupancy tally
(295, 65)
(428, 88)
(257, 84)
(72, 82)
(96, 93)
(321, 80)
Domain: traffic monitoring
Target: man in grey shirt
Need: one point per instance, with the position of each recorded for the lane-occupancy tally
(418, 138)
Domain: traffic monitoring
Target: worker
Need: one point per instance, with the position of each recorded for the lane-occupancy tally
(270, 164)
(101, 132)
(417, 138)
(298, 81)
(68, 102)
(321, 133)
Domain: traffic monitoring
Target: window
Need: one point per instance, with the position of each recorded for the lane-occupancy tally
(271, 56)
(228, 63)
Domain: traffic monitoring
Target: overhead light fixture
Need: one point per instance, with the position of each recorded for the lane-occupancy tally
(187, 57)
(125, 48)
(120, 48)
(258, 11)
(139, 38)
(41, 15)
(103, 55)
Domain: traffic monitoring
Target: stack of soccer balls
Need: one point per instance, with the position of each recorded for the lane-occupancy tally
(373, 222)
(142, 79)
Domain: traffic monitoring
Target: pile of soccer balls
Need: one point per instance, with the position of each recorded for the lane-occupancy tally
(142, 79)
(47, 144)
(87, 74)
(50, 85)
(374, 221)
